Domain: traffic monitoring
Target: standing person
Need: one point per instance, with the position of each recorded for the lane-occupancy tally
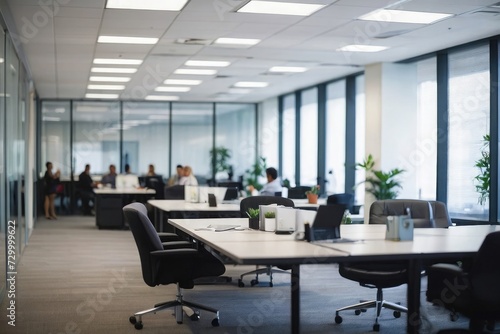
(174, 180)
(110, 178)
(51, 180)
(86, 187)
(272, 186)
(151, 170)
(188, 178)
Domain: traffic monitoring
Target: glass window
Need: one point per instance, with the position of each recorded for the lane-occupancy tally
(3, 215)
(235, 130)
(425, 157)
(96, 138)
(309, 137)
(268, 132)
(335, 137)
(469, 110)
(359, 195)
(146, 129)
(288, 133)
(192, 138)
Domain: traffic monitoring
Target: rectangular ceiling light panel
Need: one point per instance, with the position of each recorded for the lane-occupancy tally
(280, 8)
(172, 5)
(112, 70)
(117, 61)
(404, 16)
(109, 79)
(182, 82)
(207, 63)
(237, 41)
(127, 40)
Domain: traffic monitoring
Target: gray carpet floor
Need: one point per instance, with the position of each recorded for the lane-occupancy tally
(74, 278)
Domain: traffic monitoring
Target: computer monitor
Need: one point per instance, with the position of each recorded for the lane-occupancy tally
(326, 225)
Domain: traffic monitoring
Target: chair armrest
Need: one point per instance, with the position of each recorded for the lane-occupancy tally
(175, 254)
(445, 282)
(177, 245)
(165, 236)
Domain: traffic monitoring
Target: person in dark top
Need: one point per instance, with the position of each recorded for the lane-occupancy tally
(86, 188)
(110, 178)
(51, 180)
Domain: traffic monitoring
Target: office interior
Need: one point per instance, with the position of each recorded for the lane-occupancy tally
(424, 108)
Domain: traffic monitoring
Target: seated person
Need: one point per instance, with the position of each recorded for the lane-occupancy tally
(272, 186)
(151, 170)
(188, 179)
(174, 180)
(86, 187)
(110, 178)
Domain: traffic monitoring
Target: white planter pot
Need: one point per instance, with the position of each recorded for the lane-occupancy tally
(270, 224)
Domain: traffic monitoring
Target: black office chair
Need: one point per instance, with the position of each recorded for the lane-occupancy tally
(298, 192)
(388, 274)
(343, 198)
(173, 192)
(254, 202)
(472, 291)
(166, 263)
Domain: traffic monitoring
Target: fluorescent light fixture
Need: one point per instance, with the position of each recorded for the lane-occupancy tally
(251, 84)
(101, 96)
(109, 79)
(182, 82)
(404, 16)
(282, 8)
(173, 89)
(207, 63)
(288, 69)
(239, 90)
(191, 71)
(362, 48)
(127, 40)
(113, 70)
(161, 98)
(174, 5)
(106, 87)
(237, 41)
(117, 61)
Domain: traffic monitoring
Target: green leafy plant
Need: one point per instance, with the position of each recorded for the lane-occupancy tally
(219, 157)
(314, 190)
(253, 213)
(257, 170)
(270, 214)
(382, 184)
(483, 178)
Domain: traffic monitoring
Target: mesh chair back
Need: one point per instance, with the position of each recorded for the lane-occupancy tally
(254, 202)
(344, 198)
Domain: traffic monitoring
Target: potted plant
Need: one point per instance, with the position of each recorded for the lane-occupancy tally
(313, 194)
(253, 215)
(257, 170)
(483, 178)
(382, 184)
(270, 221)
(219, 157)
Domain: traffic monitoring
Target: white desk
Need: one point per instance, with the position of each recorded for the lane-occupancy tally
(126, 191)
(258, 247)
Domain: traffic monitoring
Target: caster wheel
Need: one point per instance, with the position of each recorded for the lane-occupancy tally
(241, 284)
(270, 284)
(363, 310)
(396, 314)
(215, 322)
(376, 328)
(357, 312)
(453, 317)
(254, 282)
(338, 319)
(138, 325)
(132, 320)
(195, 316)
(179, 322)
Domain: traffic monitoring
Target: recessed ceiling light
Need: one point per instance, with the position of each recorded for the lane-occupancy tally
(362, 48)
(117, 61)
(237, 41)
(127, 40)
(112, 70)
(182, 82)
(194, 71)
(161, 98)
(239, 90)
(110, 79)
(208, 63)
(283, 8)
(251, 84)
(101, 96)
(172, 89)
(106, 87)
(175, 5)
(404, 16)
(288, 69)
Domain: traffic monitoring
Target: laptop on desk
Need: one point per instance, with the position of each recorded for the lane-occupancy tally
(326, 225)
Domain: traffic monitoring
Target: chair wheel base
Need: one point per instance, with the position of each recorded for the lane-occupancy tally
(338, 319)
(254, 282)
(138, 325)
(396, 314)
(215, 322)
(241, 284)
(132, 320)
(195, 316)
(376, 328)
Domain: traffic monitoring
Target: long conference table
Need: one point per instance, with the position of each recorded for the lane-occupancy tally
(251, 247)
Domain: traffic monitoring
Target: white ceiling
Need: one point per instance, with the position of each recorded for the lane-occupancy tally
(59, 42)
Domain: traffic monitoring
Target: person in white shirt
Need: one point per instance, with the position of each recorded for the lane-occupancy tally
(188, 179)
(272, 186)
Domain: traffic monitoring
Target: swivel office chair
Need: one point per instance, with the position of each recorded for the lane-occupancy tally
(254, 202)
(298, 192)
(344, 198)
(473, 291)
(167, 263)
(388, 274)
